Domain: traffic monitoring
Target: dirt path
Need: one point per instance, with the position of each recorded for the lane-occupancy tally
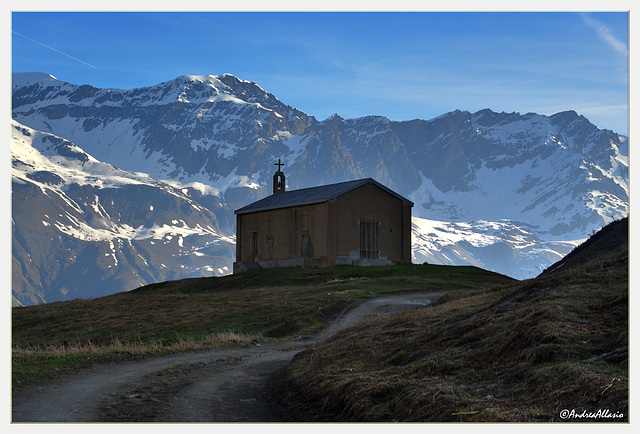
(220, 385)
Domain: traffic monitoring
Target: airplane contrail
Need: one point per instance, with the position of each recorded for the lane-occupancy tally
(604, 33)
(53, 49)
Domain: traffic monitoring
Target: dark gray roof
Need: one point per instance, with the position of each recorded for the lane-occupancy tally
(308, 196)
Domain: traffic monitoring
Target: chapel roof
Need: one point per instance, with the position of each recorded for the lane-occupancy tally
(312, 195)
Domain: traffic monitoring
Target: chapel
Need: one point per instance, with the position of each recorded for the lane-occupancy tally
(359, 222)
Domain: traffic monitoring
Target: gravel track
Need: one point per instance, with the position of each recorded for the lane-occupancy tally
(218, 385)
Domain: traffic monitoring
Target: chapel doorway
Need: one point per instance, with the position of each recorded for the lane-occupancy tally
(369, 238)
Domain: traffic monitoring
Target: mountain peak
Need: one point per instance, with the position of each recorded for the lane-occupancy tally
(225, 78)
(26, 78)
(334, 118)
(235, 78)
(568, 117)
(197, 77)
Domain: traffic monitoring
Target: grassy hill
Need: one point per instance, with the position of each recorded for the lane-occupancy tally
(204, 312)
(547, 349)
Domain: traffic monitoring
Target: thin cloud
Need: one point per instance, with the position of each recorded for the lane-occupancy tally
(605, 35)
(53, 49)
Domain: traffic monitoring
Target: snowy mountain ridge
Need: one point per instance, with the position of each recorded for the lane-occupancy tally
(542, 182)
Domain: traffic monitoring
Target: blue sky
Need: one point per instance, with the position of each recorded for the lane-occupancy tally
(400, 65)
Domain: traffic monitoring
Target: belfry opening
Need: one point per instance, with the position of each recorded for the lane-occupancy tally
(278, 179)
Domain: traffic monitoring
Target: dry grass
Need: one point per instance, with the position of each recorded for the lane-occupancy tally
(90, 349)
(517, 353)
(36, 364)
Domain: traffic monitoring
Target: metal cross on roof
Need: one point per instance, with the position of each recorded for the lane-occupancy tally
(279, 164)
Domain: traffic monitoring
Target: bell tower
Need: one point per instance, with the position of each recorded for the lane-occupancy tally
(278, 179)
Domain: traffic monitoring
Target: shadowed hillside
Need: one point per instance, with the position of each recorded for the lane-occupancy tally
(611, 239)
(554, 348)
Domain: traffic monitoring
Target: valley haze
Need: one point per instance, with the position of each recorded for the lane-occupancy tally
(114, 189)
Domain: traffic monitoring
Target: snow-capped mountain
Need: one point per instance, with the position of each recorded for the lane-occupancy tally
(210, 129)
(559, 173)
(536, 183)
(510, 248)
(83, 228)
